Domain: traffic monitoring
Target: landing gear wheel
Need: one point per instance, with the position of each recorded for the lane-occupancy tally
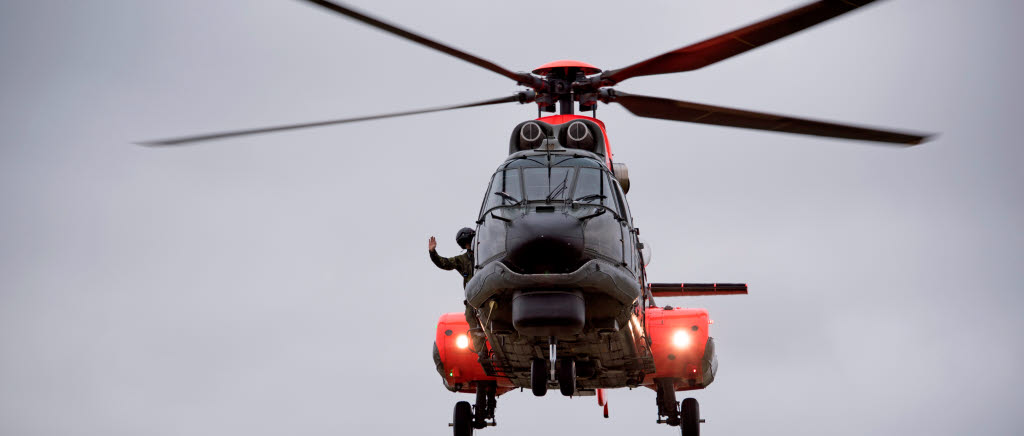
(567, 377)
(463, 419)
(539, 377)
(690, 417)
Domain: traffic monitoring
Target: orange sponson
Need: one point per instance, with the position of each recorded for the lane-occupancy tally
(678, 339)
(461, 366)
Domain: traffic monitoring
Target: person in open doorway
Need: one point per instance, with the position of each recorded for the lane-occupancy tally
(462, 263)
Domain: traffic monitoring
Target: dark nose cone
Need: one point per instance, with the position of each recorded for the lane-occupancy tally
(545, 243)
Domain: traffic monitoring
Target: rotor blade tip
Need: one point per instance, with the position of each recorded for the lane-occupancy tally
(922, 139)
(154, 143)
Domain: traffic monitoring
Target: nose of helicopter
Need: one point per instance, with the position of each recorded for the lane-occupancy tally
(545, 243)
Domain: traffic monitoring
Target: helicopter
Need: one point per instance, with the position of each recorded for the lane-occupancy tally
(559, 285)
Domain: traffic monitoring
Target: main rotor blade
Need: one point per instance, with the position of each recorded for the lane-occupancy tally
(666, 109)
(221, 135)
(738, 41)
(394, 30)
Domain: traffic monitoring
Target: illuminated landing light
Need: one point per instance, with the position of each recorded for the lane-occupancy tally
(462, 341)
(681, 339)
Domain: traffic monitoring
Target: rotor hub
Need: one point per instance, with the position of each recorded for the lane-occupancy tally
(562, 83)
(565, 64)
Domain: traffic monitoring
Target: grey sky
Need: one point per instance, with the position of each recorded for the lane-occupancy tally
(279, 284)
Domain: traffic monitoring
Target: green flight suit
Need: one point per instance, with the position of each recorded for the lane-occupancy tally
(462, 263)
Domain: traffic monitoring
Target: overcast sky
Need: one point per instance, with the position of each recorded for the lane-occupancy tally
(279, 284)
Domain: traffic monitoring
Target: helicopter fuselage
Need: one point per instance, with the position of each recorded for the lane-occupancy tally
(555, 230)
(558, 258)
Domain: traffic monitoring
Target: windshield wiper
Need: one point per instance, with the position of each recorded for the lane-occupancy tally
(591, 197)
(558, 189)
(505, 196)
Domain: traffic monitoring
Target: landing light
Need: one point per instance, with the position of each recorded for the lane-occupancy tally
(681, 339)
(462, 341)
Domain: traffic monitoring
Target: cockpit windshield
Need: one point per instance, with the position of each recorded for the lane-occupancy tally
(594, 187)
(505, 190)
(577, 180)
(547, 184)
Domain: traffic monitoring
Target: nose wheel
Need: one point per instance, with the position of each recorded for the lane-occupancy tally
(539, 377)
(567, 377)
(543, 371)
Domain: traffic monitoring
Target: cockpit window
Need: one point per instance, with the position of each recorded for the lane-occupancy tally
(593, 187)
(589, 188)
(505, 190)
(526, 162)
(532, 179)
(573, 161)
(548, 184)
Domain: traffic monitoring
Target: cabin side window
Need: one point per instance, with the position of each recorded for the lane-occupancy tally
(622, 199)
(613, 196)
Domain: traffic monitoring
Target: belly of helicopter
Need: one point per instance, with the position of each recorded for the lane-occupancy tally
(606, 356)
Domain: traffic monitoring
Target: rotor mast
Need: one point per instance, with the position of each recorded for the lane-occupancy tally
(565, 104)
(560, 85)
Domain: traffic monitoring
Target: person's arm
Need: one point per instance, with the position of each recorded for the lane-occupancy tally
(441, 262)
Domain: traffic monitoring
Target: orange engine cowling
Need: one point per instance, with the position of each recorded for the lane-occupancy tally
(682, 348)
(455, 359)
